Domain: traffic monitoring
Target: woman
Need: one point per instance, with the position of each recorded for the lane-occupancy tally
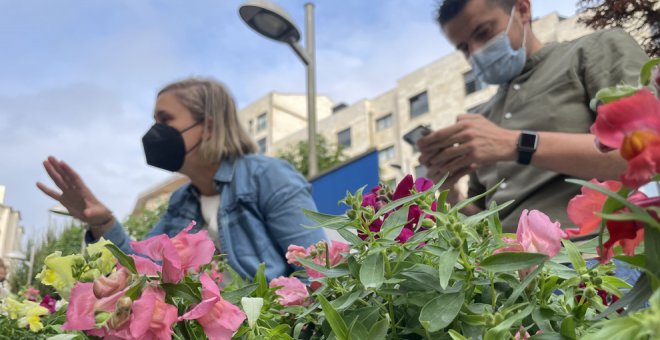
(251, 204)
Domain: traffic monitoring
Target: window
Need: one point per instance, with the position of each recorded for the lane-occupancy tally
(261, 122)
(344, 138)
(420, 171)
(472, 83)
(419, 105)
(386, 154)
(384, 122)
(262, 145)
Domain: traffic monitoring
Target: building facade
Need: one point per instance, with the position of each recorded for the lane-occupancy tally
(11, 232)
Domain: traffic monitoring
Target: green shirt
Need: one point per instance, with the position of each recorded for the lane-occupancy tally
(552, 94)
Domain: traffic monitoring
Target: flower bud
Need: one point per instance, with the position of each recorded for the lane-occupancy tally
(590, 292)
(101, 317)
(428, 223)
(351, 214)
(90, 275)
(456, 242)
(597, 281)
(106, 286)
(498, 318)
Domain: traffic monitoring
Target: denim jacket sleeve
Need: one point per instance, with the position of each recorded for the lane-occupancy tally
(282, 204)
(118, 235)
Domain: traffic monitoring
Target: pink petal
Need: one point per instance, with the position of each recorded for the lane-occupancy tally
(422, 184)
(292, 291)
(193, 249)
(154, 247)
(151, 316)
(145, 266)
(643, 167)
(537, 234)
(222, 321)
(80, 312)
(200, 309)
(209, 287)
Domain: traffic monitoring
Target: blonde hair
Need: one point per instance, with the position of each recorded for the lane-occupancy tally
(209, 101)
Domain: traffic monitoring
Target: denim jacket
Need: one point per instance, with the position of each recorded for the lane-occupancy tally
(260, 214)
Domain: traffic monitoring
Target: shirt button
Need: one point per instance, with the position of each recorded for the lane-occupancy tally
(503, 185)
(516, 87)
(508, 115)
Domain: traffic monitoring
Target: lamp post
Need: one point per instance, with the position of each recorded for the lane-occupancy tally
(274, 23)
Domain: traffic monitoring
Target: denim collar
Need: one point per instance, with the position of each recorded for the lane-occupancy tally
(224, 175)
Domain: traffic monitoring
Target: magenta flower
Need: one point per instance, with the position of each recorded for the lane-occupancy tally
(219, 318)
(536, 234)
(49, 303)
(292, 291)
(179, 254)
(632, 125)
(151, 317)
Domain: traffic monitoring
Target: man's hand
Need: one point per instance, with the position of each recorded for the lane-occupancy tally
(463, 147)
(75, 196)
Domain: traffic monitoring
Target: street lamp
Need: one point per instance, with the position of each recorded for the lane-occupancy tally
(274, 23)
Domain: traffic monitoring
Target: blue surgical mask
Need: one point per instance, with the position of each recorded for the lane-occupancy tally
(496, 62)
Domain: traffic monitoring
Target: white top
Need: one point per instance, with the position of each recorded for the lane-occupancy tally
(210, 206)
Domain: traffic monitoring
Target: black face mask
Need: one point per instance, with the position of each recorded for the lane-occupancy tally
(164, 147)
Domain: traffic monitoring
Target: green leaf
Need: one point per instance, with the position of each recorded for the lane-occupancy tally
(379, 330)
(542, 317)
(521, 287)
(349, 236)
(327, 221)
(124, 259)
(346, 300)
(473, 199)
(476, 218)
(568, 328)
(638, 260)
(652, 251)
(186, 291)
(441, 311)
(338, 271)
(235, 296)
(510, 261)
(136, 289)
(633, 299)
(446, 263)
(610, 94)
(575, 257)
(394, 223)
(498, 331)
(645, 72)
(334, 319)
(456, 335)
(372, 272)
(261, 281)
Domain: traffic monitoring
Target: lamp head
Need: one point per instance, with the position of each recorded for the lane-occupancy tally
(269, 20)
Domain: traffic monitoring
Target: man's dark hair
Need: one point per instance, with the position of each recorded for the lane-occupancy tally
(449, 9)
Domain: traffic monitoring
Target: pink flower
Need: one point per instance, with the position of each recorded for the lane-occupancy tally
(179, 254)
(536, 234)
(632, 124)
(151, 317)
(80, 312)
(335, 250)
(219, 318)
(582, 211)
(106, 286)
(522, 334)
(293, 252)
(31, 293)
(292, 292)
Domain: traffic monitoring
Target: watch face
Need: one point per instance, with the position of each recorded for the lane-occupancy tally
(528, 140)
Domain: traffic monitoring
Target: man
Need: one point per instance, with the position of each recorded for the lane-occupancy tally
(534, 133)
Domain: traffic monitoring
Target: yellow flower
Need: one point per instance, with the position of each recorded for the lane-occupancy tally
(105, 261)
(58, 272)
(32, 316)
(13, 308)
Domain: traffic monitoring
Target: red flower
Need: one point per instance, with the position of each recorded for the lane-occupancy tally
(582, 211)
(632, 124)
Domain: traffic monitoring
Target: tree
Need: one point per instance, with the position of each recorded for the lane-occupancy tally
(139, 225)
(326, 154)
(636, 15)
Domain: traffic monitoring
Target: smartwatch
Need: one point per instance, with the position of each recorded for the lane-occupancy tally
(527, 143)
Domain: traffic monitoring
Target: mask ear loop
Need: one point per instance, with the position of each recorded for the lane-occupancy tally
(508, 26)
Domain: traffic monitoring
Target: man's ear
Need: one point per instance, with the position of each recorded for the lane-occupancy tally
(524, 10)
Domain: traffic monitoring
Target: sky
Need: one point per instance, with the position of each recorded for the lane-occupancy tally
(78, 78)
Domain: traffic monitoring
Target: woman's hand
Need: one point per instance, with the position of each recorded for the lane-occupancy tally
(75, 196)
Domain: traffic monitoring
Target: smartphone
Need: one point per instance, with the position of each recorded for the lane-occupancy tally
(416, 134)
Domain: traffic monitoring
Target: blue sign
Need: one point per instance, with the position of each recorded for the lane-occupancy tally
(330, 187)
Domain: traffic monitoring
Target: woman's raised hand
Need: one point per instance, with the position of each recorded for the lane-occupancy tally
(75, 196)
